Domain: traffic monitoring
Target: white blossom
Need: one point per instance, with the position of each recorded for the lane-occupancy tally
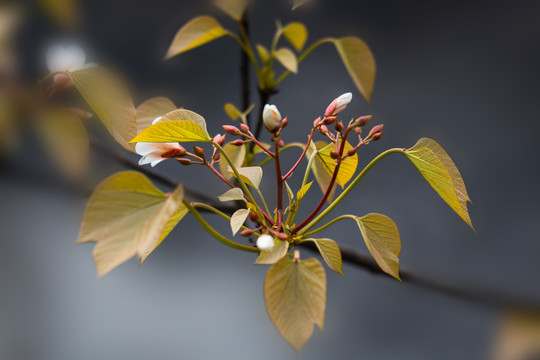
(271, 117)
(154, 153)
(265, 242)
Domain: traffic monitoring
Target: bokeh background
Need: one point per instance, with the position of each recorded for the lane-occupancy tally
(464, 73)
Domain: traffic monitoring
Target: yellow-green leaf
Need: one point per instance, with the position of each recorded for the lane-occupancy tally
(330, 253)
(197, 32)
(272, 257)
(110, 100)
(295, 295)
(237, 154)
(287, 58)
(258, 150)
(442, 174)
(232, 111)
(302, 192)
(238, 219)
(381, 236)
(251, 175)
(127, 216)
(297, 34)
(64, 12)
(232, 195)
(359, 62)
(151, 109)
(66, 139)
(234, 8)
(347, 168)
(263, 53)
(319, 169)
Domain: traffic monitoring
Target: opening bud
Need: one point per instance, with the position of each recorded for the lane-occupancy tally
(265, 243)
(271, 118)
(338, 105)
(329, 120)
(233, 130)
(219, 139)
(339, 126)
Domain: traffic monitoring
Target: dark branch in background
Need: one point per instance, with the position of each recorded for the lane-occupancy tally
(244, 72)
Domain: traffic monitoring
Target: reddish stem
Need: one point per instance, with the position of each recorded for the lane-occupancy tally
(279, 178)
(288, 174)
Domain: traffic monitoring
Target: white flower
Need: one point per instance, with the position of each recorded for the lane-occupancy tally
(66, 58)
(339, 104)
(154, 153)
(265, 243)
(271, 117)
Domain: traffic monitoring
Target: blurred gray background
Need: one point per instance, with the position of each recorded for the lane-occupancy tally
(464, 73)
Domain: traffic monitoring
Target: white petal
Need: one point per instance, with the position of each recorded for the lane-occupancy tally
(154, 163)
(75, 57)
(265, 242)
(145, 148)
(150, 158)
(156, 120)
(54, 58)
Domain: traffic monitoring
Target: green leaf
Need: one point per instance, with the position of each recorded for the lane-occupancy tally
(233, 194)
(272, 257)
(295, 295)
(110, 100)
(331, 254)
(151, 109)
(347, 168)
(297, 34)
(381, 236)
(237, 154)
(66, 140)
(320, 170)
(176, 126)
(359, 62)
(197, 32)
(263, 53)
(290, 193)
(127, 216)
(441, 173)
(232, 111)
(302, 192)
(287, 58)
(234, 8)
(251, 175)
(238, 219)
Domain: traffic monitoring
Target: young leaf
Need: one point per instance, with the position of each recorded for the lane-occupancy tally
(127, 216)
(295, 295)
(381, 236)
(297, 34)
(331, 254)
(237, 154)
(319, 169)
(66, 139)
(238, 219)
(272, 257)
(359, 62)
(302, 192)
(287, 58)
(110, 100)
(442, 174)
(234, 8)
(263, 53)
(290, 193)
(232, 111)
(347, 168)
(151, 109)
(197, 32)
(251, 175)
(232, 195)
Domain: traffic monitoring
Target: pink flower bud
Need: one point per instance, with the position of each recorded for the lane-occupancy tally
(316, 122)
(271, 118)
(338, 105)
(219, 139)
(284, 122)
(231, 129)
(281, 143)
(377, 129)
(323, 129)
(244, 128)
(329, 119)
(363, 120)
(351, 152)
(198, 151)
(338, 125)
(238, 142)
(184, 161)
(283, 236)
(246, 232)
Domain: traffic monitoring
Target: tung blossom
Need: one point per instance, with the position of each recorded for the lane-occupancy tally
(265, 243)
(338, 105)
(154, 153)
(271, 117)
(66, 58)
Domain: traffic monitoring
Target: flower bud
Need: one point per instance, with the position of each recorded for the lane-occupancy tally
(284, 122)
(198, 151)
(244, 128)
(246, 232)
(184, 161)
(253, 216)
(281, 143)
(363, 120)
(323, 129)
(329, 119)
(219, 139)
(233, 130)
(265, 243)
(358, 130)
(238, 142)
(377, 129)
(271, 118)
(217, 156)
(334, 154)
(376, 136)
(351, 152)
(338, 105)
(316, 122)
(339, 126)
(283, 236)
